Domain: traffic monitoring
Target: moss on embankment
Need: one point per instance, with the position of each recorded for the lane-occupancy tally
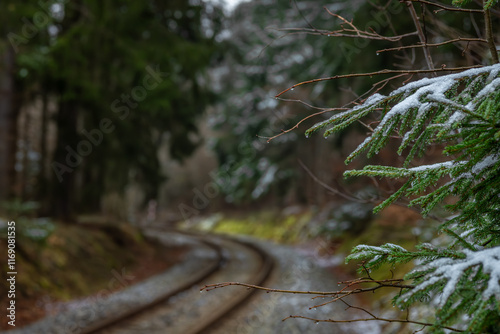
(63, 262)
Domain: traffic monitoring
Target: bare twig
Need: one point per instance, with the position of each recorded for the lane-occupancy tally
(451, 9)
(251, 286)
(426, 324)
(377, 86)
(385, 71)
(347, 290)
(421, 35)
(313, 106)
(374, 318)
(355, 32)
(296, 126)
(459, 39)
(327, 187)
(358, 32)
(303, 16)
(489, 36)
(345, 33)
(387, 283)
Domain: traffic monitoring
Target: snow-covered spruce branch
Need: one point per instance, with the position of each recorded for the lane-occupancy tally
(381, 72)
(448, 272)
(471, 283)
(399, 74)
(461, 111)
(375, 256)
(429, 111)
(415, 103)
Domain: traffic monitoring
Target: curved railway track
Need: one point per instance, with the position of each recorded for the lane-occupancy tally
(171, 302)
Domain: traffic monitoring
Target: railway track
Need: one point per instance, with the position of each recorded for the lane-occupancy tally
(172, 302)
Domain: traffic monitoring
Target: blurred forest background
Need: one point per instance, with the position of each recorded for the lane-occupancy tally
(160, 111)
(115, 107)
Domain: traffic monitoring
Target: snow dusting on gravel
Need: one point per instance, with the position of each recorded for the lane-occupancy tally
(264, 312)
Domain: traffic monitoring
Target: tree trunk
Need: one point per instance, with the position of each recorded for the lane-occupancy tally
(63, 180)
(9, 111)
(43, 174)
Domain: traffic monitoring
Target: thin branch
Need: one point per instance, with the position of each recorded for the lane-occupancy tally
(388, 283)
(344, 20)
(312, 106)
(459, 39)
(421, 36)
(357, 308)
(386, 81)
(303, 16)
(451, 9)
(374, 318)
(427, 324)
(381, 83)
(385, 71)
(458, 106)
(327, 187)
(424, 26)
(361, 33)
(347, 33)
(296, 126)
(474, 24)
(209, 287)
(344, 292)
(489, 36)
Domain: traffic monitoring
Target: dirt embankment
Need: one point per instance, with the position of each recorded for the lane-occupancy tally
(75, 263)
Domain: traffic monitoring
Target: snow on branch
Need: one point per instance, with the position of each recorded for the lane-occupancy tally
(452, 270)
(432, 100)
(374, 256)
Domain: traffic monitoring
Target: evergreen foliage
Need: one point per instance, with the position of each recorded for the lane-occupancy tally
(461, 111)
(459, 272)
(258, 58)
(268, 47)
(90, 60)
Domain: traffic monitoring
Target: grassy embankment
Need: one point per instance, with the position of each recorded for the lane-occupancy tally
(56, 263)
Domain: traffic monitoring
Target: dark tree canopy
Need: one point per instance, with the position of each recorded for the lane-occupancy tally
(124, 76)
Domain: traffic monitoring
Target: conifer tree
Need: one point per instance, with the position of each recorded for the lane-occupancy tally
(138, 66)
(457, 274)
(460, 111)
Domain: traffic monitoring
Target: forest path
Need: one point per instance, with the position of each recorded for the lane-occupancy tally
(171, 302)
